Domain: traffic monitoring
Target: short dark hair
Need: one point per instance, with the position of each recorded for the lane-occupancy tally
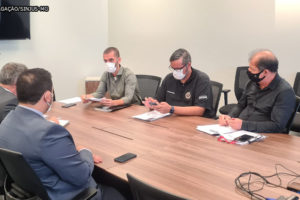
(267, 60)
(181, 53)
(114, 49)
(32, 84)
(10, 73)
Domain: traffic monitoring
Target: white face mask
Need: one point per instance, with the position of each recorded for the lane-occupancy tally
(178, 74)
(110, 67)
(50, 104)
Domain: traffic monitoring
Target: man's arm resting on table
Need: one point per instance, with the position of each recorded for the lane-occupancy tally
(189, 110)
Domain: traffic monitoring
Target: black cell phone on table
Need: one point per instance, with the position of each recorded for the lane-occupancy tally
(125, 157)
(244, 138)
(68, 105)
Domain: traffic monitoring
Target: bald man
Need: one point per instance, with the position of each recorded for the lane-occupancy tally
(268, 100)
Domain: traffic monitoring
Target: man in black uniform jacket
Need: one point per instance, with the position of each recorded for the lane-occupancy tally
(185, 91)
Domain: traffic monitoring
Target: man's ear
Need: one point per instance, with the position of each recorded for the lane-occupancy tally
(119, 60)
(47, 96)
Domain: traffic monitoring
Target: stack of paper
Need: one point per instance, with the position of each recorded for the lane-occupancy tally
(230, 134)
(151, 116)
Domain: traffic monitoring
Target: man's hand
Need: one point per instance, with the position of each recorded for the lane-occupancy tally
(85, 98)
(163, 107)
(223, 120)
(235, 123)
(97, 159)
(150, 102)
(107, 102)
(54, 120)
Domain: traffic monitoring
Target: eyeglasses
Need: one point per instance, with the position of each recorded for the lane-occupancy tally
(172, 69)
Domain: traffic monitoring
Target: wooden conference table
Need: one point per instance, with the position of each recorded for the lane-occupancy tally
(173, 156)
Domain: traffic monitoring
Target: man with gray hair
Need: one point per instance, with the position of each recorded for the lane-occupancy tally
(185, 91)
(8, 79)
(268, 101)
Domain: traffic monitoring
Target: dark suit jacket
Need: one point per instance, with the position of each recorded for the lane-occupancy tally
(8, 102)
(49, 149)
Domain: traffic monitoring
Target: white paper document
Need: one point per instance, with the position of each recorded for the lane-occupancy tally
(96, 99)
(151, 116)
(63, 122)
(71, 100)
(215, 129)
(231, 134)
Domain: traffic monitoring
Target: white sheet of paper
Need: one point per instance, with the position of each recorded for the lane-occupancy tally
(96, 99)
(71, 100)
(151, 116)
(63, 122)
(215, 129)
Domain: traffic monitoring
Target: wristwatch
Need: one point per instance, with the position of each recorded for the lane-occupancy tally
(172, 110)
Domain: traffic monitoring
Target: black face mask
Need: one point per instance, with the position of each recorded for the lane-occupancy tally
(255, 77)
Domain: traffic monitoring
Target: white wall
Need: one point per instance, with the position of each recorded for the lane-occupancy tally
(68, 41)
(218, 33)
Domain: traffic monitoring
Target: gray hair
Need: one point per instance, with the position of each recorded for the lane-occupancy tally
(10, 73)
(181, 53)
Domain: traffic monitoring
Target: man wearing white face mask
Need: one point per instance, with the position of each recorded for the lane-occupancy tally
(119, 82)
(185, 91)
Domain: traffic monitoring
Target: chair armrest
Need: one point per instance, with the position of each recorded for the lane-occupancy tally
(226, 91)
(86, 194)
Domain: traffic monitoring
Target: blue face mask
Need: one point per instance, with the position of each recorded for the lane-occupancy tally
(255, 77)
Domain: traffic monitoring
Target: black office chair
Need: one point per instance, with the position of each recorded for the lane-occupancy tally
(296, 86)
(148, 85)
(22, 182)
(216, 92)
(241, 79)
(295, 126)
(292, 119)
(143, 191)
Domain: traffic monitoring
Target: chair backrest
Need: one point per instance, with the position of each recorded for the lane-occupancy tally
(216, 92)
(297, 84)
(241, 78)
(143, 191)
(148, 85)
(291, 120)
(21, 173)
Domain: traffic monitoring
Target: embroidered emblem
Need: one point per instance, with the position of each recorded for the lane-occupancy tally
(188, 95)
(203, 97)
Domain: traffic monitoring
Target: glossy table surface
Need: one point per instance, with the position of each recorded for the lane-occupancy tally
(173, 156)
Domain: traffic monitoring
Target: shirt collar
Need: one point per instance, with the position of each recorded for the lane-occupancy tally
(33, 110)
(7, 90)
(191, 77)
(274, 82)
(120, 72)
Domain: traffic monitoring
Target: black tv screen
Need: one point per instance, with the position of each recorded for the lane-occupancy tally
(14, 25)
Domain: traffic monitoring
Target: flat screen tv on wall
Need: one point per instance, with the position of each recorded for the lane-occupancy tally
(14, 25)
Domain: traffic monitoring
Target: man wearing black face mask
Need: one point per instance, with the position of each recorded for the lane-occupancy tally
(268, 100)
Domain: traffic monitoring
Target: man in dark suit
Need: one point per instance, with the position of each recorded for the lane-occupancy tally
(8, 78)
(64, 169)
